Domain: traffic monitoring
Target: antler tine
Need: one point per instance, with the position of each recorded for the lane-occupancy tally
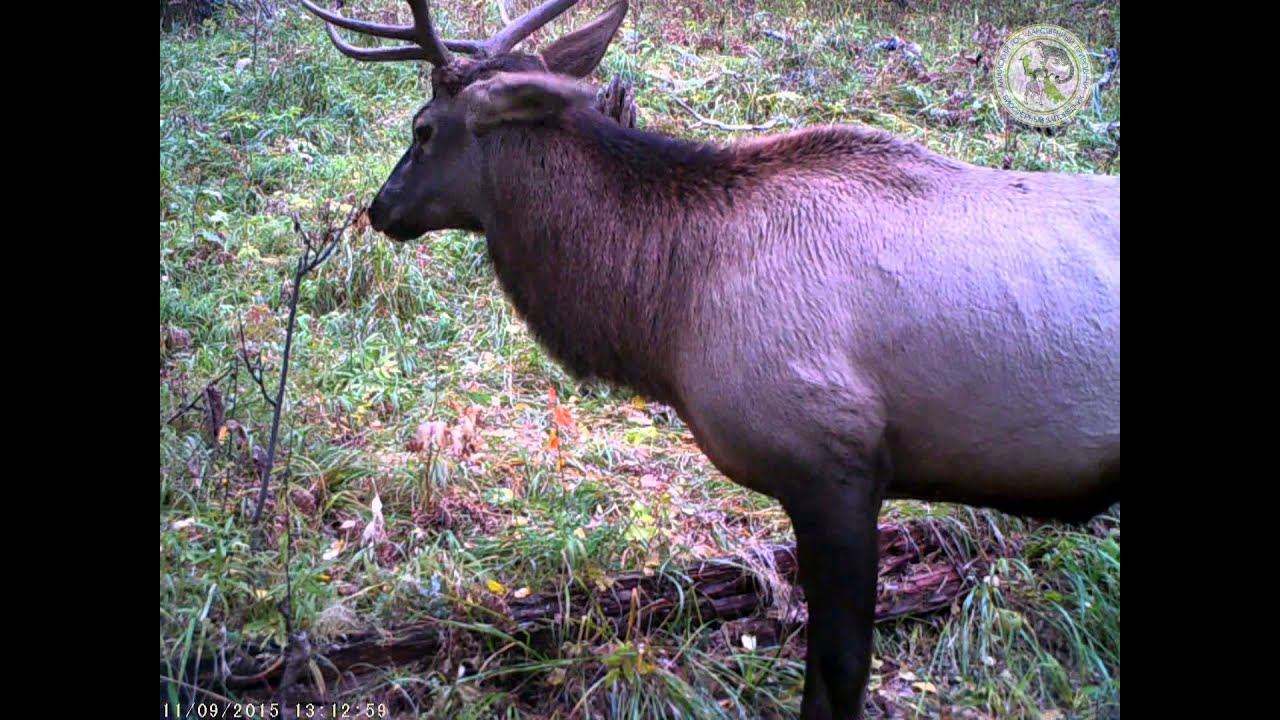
(425, 33)
(422, 31)
(397, 32)
(470, 47)
(404, 52)
(526, 25)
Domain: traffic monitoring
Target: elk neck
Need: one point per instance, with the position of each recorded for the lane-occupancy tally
(602, 236)
(592, 239)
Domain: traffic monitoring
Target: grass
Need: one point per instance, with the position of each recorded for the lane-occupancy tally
(262, 119)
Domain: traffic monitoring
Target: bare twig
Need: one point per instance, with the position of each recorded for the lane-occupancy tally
(719, 125)
(315, 251)
(195, 401)
(254, 366)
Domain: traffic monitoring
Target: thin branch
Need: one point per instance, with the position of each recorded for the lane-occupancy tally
(253, 366)
(312, 255)
(195, 400)
(719, 125)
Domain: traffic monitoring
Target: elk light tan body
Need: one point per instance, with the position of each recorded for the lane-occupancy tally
(838, 315)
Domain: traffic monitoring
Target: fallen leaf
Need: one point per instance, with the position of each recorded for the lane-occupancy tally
(334, 550)
(521, 593)
(429, 435)
(496, 587)
(303, 500)
(562, 418)
(375, 531)
(925, 687)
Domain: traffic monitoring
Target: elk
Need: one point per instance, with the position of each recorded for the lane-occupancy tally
(837, 315)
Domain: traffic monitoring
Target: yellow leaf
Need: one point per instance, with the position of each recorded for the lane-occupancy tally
(925, 687)
(580, 534)
(496, 587)
(638, 402)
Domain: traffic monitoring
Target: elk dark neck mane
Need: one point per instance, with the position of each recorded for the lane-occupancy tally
(601, 235)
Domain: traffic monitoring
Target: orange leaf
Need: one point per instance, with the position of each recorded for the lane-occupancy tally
(562, 417)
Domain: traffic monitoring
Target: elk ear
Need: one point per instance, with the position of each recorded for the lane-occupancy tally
(578, 53)
(521, 97)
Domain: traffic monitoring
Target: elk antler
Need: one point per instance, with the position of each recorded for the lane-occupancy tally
(526, 25)
(422, 32)
(429, 45)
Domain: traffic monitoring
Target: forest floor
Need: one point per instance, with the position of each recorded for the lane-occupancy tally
(440, 466)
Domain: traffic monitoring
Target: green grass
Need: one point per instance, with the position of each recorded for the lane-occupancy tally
(394, 336)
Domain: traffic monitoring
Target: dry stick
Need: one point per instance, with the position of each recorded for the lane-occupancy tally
(184, 409)
(719, 125)
(299, 646)
(235, 399)
(312, 256)
(255, 367)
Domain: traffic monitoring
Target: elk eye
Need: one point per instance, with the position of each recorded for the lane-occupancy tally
(423, 133)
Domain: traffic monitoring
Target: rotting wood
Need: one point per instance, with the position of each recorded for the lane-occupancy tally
(917, 576)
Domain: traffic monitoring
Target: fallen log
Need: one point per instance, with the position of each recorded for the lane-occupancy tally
(919, 573)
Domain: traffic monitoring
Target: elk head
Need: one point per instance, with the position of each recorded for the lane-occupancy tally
(438, 183)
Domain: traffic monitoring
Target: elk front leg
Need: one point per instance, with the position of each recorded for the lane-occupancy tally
(838, 546)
